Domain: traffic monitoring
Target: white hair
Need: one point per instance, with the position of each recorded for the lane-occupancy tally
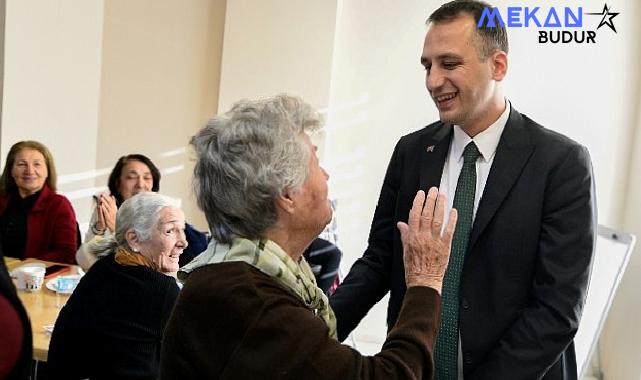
(246, 158)
(140, 213)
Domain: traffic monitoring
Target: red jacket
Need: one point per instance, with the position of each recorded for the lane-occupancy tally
(51, 228)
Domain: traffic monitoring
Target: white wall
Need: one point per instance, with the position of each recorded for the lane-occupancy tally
(52, 63)
(277, 46)
(161, 64)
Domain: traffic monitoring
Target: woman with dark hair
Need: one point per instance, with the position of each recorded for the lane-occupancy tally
(124, 179)
(35, 221)
(132, 174)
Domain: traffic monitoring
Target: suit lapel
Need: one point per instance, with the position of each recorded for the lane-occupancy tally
(512, 154)
(434, 150)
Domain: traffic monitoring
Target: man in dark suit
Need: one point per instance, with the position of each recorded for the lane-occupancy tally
(527, 219)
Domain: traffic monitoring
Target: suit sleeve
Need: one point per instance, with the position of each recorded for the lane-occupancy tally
(63, 241)
(548, 324)
(369, 278)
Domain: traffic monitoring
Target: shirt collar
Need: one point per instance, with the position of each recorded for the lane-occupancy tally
(486, 141)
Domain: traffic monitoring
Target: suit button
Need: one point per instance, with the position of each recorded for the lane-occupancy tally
(467, 358)
(465, 303)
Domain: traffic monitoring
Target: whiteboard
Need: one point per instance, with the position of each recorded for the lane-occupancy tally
(611, 256)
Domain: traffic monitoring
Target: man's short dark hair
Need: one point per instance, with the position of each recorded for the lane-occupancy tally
(491, 39)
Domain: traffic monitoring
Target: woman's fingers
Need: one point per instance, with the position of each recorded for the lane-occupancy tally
(414, 219)
(439, 214)
(403, 229)
(427, 213)
(432, 212)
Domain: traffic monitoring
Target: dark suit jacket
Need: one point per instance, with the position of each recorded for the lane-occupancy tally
(526, 270)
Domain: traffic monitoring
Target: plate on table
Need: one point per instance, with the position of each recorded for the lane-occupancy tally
(70, 280)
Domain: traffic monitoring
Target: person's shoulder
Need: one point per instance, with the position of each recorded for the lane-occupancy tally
(227, 277)
(56, 200)
(231, 282)
(150, 278)
(415, 141)
(59, 198)
(539, 134)
(103, 267)
(135, 275)
(425, 132)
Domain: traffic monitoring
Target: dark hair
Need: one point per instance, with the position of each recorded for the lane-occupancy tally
(490, 39)
(116, 172)
(8, 184)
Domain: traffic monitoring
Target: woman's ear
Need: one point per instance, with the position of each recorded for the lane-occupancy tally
(132, 239)
(285, 201)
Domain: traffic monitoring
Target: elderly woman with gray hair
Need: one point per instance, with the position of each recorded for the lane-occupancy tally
(250, 307)
(112, 325)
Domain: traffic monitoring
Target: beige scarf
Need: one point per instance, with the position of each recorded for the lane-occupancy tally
(269, 258)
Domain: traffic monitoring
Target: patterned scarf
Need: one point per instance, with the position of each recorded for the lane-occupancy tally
(269, 258)
(127, 258)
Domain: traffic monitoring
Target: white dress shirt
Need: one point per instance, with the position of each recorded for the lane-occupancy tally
(486, 142)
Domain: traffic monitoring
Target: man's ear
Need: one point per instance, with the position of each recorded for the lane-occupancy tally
(285, 201)
(498, 60)
(132, 239)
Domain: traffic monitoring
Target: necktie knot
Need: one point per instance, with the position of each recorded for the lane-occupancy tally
(471, 153)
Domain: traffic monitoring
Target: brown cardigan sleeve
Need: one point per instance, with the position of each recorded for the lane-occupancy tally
(231, 325)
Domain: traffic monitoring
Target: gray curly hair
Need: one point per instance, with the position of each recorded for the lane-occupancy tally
(248, 156)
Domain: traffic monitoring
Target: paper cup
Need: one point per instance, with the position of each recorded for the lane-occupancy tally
(33, 278)
(19, 275)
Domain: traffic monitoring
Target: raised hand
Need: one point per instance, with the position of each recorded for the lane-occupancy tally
(108, 211)
(426, 246)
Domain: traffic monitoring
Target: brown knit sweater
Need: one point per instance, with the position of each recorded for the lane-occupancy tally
(233, 322)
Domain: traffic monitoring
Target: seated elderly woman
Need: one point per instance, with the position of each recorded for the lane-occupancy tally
(250, 308)
(35, 222)
(112, 325)
(132, 174)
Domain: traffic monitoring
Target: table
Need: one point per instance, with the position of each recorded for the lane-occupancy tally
(42, 307)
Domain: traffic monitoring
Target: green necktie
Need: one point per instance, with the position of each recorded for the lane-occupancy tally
(446, 351)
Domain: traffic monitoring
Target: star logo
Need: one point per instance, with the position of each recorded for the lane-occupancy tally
(607, 17)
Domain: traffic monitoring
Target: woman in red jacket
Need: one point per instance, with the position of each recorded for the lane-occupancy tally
(35, 222)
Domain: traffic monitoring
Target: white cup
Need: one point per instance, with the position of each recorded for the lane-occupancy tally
(33, 278)
(18, 273)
